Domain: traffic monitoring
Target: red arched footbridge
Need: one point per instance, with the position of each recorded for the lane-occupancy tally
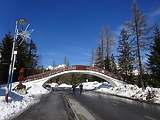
(114, 80)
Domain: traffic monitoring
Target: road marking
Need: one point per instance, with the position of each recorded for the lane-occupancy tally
(149, 117)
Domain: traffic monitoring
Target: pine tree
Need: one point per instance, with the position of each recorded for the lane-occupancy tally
(154, 58)
(5, 50)
(125, 58)
(33, 58)
(109, 43)
(113, 65)
(26, 57)
(66, 61)
(105, 48)
(99, 57)
(107, 64)
(93, 58)
(74, 78)
(54, 64)
(101, 48)
(139, 31)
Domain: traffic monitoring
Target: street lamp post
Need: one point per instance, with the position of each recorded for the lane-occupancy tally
(13, 56)
(0, 57)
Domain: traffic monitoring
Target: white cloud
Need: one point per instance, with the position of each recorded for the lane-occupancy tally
(155, 13)
(87, 54)
(118, 30)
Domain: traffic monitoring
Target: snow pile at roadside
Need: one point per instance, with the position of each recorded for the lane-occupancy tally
(53, 84)
(17, 103)
(34, 89)
(133, 91)
(65, 85)
(91, 85)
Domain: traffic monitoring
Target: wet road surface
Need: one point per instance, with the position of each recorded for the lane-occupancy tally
(108, 107)
(51, 107)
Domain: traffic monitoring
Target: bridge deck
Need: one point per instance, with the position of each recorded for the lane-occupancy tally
(71, 68)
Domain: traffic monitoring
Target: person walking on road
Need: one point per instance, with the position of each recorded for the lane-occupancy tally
(73, 88)
(81, 88)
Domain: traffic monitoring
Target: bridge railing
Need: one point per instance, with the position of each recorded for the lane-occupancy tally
(48, 73)
(118, 77)
(69, 68)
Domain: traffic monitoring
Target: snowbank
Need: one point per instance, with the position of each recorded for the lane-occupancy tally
(17, 103)
(53, 84)
(133, 91)
(65, 85)
(91, 85)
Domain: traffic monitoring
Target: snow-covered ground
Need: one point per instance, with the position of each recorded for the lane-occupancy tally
(18, 103)
(134, 92)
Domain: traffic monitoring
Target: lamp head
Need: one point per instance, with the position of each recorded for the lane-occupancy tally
(22, 21)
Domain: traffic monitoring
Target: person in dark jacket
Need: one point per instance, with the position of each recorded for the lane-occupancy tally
(81, 88)
(73, 88)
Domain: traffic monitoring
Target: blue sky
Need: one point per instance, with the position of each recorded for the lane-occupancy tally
(70, 27)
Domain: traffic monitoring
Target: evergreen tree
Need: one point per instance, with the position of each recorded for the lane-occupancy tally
(105, 48)
(109, 42)
(74, 79)
(139, 31)
(26, 57)
(33, 58)
(99, 57)
(54, 64)
(107, 62)
(125, 58)
(93, 58)
(66, 61)
(154, 58)
(113, 65)
(5, 50)
(101, 48)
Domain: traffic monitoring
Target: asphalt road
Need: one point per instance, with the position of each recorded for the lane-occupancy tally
(54, 106)
(51, 107)
(108, 107)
